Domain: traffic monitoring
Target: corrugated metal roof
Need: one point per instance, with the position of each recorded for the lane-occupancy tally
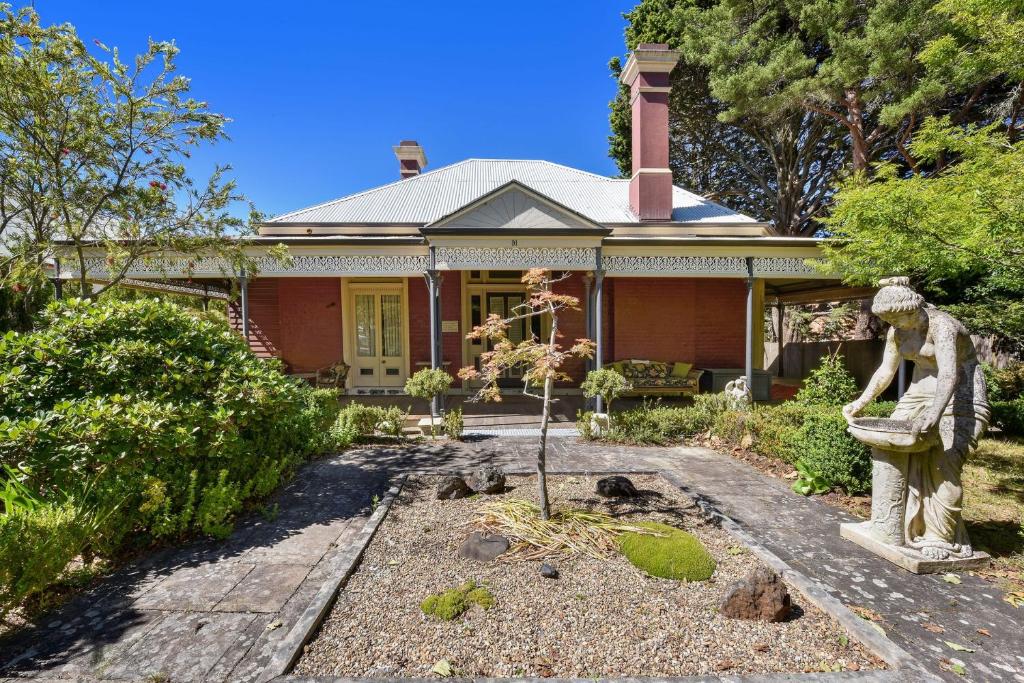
(424, 198)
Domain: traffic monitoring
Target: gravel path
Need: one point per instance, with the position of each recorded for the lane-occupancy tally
(600, 619)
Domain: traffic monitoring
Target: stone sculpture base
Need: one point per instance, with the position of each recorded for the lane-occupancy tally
(908, 559)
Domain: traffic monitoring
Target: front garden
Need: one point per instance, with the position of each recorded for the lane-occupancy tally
(806, 442)
(626, 578)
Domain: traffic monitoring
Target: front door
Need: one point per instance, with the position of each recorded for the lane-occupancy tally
(379, 358)
(504, 304)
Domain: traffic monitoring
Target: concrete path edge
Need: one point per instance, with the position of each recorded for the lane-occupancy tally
(879, 644)
(290, 647)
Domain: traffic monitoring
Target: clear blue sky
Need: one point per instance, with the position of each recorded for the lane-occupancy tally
(320, 91)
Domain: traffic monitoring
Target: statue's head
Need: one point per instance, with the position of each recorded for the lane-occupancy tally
(896, 303)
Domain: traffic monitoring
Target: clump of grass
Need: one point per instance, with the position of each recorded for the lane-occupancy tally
(567, 531)
(452, 603)
(668, 553)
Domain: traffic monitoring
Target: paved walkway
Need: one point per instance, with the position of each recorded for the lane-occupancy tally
(214, 611)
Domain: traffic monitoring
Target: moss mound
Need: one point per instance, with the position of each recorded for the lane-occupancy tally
(453, 602)
(675, 554)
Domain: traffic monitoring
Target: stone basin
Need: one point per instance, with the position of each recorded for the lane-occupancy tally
(890, 435)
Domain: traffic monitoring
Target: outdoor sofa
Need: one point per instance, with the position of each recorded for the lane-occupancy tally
(659, 378)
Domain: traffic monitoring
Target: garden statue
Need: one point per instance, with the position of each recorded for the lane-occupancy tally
(738, 395)
(918, 453)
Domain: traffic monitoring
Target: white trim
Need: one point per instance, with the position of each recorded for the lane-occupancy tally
(648, 61)
(659, 171)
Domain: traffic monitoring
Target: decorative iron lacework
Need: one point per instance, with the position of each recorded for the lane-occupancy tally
(313, 265)
(783, 266)
(717, 265)
(513, 258)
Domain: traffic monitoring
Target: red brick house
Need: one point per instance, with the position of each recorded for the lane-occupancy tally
(389, 280)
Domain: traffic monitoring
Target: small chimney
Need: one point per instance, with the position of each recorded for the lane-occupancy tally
(411, 159)
(647, 75)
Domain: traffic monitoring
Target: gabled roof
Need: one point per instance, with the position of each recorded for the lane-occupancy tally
(513, 206)
(428, 197)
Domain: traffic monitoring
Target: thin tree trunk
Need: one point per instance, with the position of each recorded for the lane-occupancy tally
(545, 414)
(542, 481)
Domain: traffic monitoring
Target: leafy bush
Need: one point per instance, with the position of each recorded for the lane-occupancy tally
(454, 424)
(826, 448)
(775, 430)
(672, 554)
(362, 421)
(160, 422)
(35, 546)
(607, 384)
(1009, 416)
(830, 384)
(1004, 384)
(584, 425)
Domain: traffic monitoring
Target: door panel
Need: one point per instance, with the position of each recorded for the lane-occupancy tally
(379, 359)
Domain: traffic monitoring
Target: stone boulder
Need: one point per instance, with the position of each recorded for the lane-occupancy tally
(761, 596)
(450, 488)
(616, 487)
(483, 547)
(548, 572)
(488, 479)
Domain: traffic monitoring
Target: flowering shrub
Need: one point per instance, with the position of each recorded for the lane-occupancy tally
(157, 421)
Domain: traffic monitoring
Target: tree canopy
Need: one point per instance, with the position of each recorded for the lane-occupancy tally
(93, 150)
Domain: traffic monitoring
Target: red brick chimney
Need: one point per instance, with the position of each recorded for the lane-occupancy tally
(647, 75)
(411, 159)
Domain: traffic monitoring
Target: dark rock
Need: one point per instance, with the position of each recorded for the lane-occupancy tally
(762, 596)
(450, 488)
(616, 487)
(483, 547)
(548, 572)
(488, 479)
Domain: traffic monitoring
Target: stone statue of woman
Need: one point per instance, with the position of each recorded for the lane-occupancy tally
(946, 404)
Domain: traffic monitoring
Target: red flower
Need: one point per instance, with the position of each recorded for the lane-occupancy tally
(153, 183)
(65, 151)
(18, 287)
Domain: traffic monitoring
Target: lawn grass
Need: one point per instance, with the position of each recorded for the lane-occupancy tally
(993, 481)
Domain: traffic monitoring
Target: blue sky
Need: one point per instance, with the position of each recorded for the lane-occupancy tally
(320, 91)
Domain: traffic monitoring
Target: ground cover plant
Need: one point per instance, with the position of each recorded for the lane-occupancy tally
(124, 424)
(601, 617)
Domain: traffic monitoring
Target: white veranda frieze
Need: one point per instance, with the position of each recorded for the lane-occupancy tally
(695, 265)
(296, 265)
(515, 258)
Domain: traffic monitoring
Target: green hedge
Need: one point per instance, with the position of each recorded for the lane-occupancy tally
(151, 421)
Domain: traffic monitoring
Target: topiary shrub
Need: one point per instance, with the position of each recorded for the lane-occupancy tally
(776, 429)
(829, 384)
(672, 554)
(429, 383)
(362, 421)
(452, 603)
(607, 384)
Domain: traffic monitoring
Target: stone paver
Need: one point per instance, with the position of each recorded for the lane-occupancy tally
(216, 611)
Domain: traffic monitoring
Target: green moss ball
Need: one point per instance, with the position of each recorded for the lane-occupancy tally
(675, 554)
(445, 606)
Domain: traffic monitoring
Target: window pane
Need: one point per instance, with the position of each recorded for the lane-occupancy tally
(366, 326)
(391, 324)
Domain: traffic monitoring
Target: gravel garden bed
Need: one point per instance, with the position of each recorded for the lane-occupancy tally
(599, 618)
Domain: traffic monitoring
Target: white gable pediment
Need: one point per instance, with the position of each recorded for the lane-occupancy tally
(515, 208)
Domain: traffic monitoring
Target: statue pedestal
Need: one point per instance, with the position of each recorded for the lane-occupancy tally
(911, 560)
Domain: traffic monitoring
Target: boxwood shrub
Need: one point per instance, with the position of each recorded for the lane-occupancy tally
(153, 421)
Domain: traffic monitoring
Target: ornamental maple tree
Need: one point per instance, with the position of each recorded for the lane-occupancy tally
(540, 362)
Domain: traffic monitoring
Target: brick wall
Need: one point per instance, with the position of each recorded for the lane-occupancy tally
(689, 319)
(295, 319)
(419, 322)
(572, 324)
